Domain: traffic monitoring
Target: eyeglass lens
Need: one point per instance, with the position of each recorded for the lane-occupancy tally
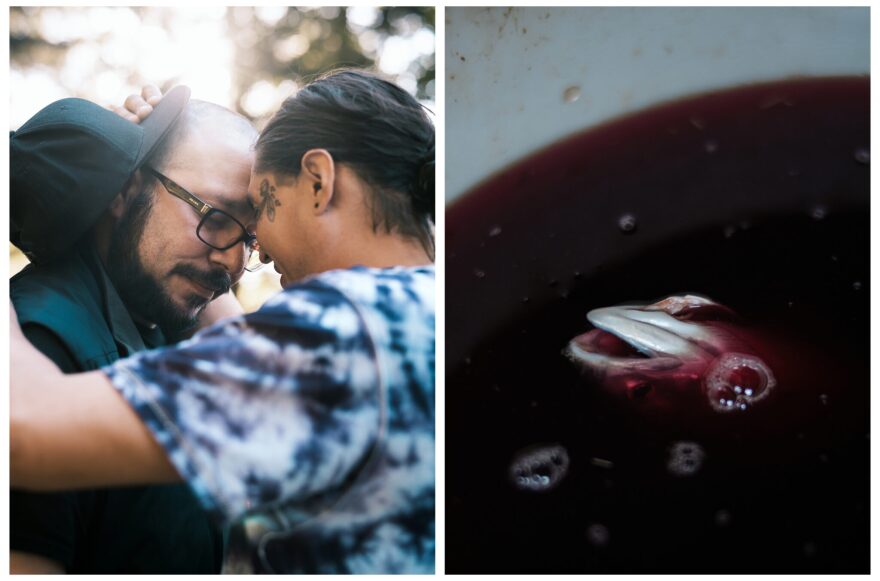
(219, 230)
(253, 261)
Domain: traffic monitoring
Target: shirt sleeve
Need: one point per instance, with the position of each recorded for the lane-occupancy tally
(275, 406)
(51, 346)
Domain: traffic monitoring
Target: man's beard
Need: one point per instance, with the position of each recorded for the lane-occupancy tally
(142, 294)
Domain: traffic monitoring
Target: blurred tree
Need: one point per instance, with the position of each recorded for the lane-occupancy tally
(300, 44)
(275, 49)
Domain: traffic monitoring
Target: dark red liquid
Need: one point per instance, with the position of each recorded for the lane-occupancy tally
(757, 197)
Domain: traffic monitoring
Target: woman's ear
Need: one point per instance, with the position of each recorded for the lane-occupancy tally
(129, 191)
(319, 177)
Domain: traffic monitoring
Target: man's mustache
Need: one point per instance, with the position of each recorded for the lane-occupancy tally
(218, 279)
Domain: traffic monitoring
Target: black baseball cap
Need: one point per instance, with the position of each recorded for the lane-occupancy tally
(69, 161)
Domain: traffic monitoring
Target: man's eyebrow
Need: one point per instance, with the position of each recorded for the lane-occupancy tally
(233, 206)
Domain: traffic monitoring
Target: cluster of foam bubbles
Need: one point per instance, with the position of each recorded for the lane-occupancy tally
(539, 468)
(685, 458)
(627, 223)
(737, 381)
(598, 535)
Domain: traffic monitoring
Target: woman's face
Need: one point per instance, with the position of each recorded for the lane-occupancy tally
(285, 225)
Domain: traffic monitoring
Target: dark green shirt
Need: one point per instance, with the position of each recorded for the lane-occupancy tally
(72, 313)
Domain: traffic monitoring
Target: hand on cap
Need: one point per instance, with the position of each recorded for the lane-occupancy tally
(137, 107)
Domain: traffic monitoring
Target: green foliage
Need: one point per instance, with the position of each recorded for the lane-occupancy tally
(269, 44)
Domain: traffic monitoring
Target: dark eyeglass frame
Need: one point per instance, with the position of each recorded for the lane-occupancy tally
(205, 210)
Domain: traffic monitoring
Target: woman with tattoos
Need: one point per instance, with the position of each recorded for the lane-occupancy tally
(311, 420)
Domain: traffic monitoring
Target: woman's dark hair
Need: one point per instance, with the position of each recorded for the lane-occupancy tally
(371, 125)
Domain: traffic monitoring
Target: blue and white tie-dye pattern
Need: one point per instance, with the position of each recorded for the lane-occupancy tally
(312, 419)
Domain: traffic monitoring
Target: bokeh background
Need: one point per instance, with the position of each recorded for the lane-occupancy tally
(248, 59)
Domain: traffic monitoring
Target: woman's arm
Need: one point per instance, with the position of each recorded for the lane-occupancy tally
(279, 405)
(73, 431)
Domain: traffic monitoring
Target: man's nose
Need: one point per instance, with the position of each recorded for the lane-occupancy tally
(232, 260)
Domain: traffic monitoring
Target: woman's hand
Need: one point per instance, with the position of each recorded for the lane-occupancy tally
(137, 107)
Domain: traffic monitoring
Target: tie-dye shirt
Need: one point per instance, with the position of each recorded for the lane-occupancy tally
(309, 423)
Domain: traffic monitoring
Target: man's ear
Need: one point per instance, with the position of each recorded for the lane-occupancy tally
(129, 191)
(318, 178)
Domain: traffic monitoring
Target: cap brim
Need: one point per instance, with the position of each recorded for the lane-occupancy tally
(163, 117)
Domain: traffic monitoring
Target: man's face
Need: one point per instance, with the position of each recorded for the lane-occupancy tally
(161, 269)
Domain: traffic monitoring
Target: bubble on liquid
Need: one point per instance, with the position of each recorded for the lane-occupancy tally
(819, 212)
(571, 94)
(722, 518)
(479, 273)
(737, 381)
(857, 285)
(711, 146)
(810, 549)
(539, 468)
(685, 458)
(495, 231)
(698, 122)
(627, 223)
(729, 231)
(823, 397)
(598, 535)
(602, 463)
(525, 299)
(862, 155)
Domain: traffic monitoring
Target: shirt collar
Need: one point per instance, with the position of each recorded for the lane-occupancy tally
(125, 331)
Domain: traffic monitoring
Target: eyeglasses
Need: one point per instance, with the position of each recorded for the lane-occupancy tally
(217, 229)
